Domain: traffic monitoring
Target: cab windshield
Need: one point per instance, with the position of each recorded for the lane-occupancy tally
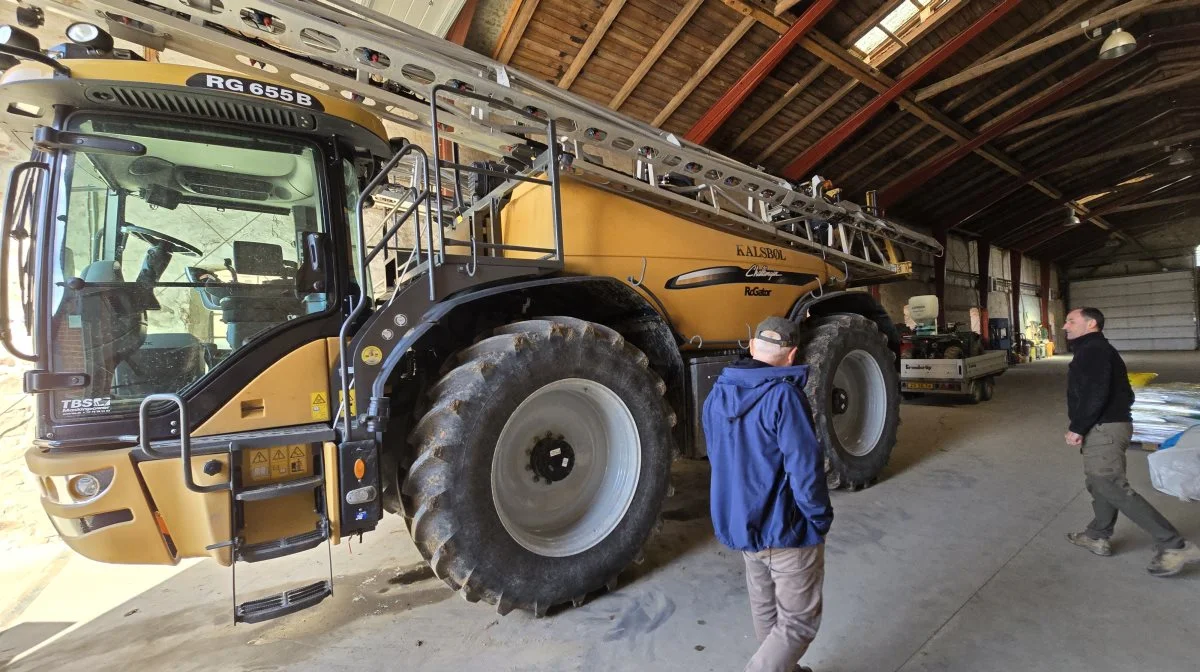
(165, 264)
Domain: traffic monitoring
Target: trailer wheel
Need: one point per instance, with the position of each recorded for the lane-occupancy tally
(988, 387)
(542, 465)
(975, 395)
(854, 390)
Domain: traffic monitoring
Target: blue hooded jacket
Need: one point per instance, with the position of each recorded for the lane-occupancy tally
(768, 470)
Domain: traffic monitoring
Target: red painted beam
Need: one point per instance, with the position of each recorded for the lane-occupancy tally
(462, 23)
(825, 146)
(737, 94)
(934, 166)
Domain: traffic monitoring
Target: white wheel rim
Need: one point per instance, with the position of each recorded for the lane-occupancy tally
(568, 516)
(860, 403)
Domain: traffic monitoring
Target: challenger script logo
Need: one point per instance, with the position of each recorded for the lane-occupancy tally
(760, 271)
(760, 252)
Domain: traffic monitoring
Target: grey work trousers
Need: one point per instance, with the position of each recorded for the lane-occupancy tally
(785, 601)
(1104, 471)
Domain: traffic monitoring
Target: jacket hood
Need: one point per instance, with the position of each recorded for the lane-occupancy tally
(739, 387)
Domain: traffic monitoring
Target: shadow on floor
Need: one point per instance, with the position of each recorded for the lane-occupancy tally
(24, 636)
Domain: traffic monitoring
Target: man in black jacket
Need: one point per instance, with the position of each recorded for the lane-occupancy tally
(1099, 399)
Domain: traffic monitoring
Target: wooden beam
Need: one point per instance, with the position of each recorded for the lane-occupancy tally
(1043, 23)
(808, 119)
(775, 23)
(936, 164)
(926, 144)
(655, 53)
(1037, 47)
(514, 27)
(1149, 204)
(727, 104)
(1025, 83)
(1125, 151)
(698, 77)
(830, 52)
(1165, 85)
(812, 156)
(589, 45)
(883, 152)
(778, 105)
(783, 5)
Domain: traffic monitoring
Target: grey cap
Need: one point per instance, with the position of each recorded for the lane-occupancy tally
(781, 331)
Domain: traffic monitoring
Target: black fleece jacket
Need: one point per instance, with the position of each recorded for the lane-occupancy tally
(1098, 387)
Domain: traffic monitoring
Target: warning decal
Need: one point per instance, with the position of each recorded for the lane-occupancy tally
(279, 463)
(319, 403)
(297, 460)
(260, 464)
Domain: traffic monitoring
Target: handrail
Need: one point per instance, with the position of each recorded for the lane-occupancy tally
(361, 266)
(185, 441)
(5, 233)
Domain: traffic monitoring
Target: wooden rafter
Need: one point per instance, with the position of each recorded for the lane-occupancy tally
(711, 62)
(1045, 22)
(816, 153)
(883, 152)
(735, 95)
(1024, 83)
(808, 119)
(1034, 48)
(1165, 85)
(655, 53)
(514, 27)
(769, 114)
(593, 41)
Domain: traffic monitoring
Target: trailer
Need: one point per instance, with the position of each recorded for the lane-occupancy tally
(973, 377)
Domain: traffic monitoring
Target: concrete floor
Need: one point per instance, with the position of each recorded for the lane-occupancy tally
(955, 561)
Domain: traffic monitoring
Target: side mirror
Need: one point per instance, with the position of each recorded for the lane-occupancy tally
(314, 263)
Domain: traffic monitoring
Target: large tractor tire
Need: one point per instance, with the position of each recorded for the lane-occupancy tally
(854, 391)
(542, 464)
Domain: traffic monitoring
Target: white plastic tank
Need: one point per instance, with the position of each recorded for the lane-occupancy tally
(923, 308)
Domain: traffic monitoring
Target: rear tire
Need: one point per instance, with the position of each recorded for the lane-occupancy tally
(854, 390)
(492, 532)
(988, 388)
(976, 394)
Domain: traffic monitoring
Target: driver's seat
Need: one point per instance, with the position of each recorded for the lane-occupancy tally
(114, 326)
(249, 311)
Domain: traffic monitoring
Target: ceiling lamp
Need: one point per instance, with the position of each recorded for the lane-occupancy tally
(1117, 44)
(1180, 157)
(1072, 218)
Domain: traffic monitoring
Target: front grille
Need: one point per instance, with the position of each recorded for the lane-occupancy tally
(207, 106)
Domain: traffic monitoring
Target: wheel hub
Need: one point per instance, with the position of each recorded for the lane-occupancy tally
(551, 459)
(841, 401)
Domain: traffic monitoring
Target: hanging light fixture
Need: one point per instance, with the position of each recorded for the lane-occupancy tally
(1117, 44)
(1072, 218)
(1180, 157)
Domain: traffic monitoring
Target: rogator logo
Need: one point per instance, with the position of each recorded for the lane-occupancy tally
(86, 406)
(760, 252)
(757, 291)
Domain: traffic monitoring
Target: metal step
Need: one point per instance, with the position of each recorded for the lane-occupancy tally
(277, 548)
(280, 489)
(282, 604)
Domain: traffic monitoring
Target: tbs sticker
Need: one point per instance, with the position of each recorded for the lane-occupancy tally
(86, 406)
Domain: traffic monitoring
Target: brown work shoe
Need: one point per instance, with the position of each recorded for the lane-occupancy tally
(1097, 546)
(1171, 561)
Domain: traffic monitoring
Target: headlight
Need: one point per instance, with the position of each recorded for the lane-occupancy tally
(83, 486)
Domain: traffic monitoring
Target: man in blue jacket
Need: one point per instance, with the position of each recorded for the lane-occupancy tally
(769, 499)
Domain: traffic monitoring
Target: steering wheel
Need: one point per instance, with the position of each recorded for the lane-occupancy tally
(152, 237)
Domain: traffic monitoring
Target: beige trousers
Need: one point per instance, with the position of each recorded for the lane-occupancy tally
(785, 602)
